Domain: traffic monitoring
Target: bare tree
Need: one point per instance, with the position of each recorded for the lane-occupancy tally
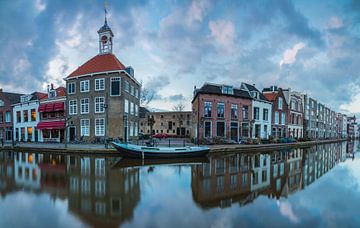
(179, 108)
(146, 97)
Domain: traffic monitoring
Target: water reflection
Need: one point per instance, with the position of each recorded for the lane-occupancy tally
(106, 192)
(241, 178)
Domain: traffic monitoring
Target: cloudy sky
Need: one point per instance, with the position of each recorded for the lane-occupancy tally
(310, 46)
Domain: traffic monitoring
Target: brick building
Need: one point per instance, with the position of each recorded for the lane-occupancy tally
(103, 96)
(6, 115)
(221, 112)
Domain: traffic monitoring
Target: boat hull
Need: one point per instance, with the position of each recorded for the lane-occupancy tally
(159, 152)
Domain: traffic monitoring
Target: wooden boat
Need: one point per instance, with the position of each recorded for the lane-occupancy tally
(135, 151)
(131, 162)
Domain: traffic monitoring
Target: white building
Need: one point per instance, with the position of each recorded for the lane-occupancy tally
(26, 117)
(261, 111)
(27, 171)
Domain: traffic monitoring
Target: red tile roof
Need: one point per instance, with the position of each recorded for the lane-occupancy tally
(60, 91)
(270, 96)
(99, 63)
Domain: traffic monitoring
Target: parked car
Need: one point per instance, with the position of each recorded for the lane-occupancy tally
(161, 136)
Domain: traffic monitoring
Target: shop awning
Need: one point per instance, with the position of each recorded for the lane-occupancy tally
(49, 107)
(59, 124)
(59, 106)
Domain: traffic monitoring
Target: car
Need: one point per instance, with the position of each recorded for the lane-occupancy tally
(161, 136)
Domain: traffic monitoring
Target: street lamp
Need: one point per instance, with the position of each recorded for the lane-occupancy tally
(66, 130)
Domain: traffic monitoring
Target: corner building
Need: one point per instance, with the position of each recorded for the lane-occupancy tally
(102, 96)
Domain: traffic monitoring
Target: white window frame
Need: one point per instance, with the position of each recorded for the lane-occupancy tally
(132, 90)
(210, 128)
(276, 117)
(126, 106)
(72, 110)
(136, 92)
(85, 129)
(7, 120)
(82, 84)
(115, 79)
(69, 85)
(283, 118)
(126, 86)
(99, 106)
(280, 103)
(99, 84)
(136, 110)
(220, 121)
(132, 109)
(84, 106)
(100, 129)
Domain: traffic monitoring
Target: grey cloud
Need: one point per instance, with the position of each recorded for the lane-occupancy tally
(177, 97)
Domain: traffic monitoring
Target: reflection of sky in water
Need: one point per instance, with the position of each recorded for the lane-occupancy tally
(166, 200)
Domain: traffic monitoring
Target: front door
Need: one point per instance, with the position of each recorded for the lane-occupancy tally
(234, 132)
(72, 133)
(36, 135)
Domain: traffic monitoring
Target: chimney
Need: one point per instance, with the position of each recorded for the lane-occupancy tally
(52, 86)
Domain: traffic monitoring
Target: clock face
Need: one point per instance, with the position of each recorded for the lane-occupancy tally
(104, 39)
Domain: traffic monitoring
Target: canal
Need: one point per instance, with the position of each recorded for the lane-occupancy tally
(314, 187)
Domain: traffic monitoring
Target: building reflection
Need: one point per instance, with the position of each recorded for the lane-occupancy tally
(241, 178)
(98, 194)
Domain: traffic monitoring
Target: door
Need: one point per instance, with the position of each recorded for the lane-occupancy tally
(234, 132)
(36, 135)
(72, 133)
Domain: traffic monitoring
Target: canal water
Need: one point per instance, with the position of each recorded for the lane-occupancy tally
(314, 187)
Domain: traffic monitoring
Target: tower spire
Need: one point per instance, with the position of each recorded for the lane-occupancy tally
(105, 11)
(105, 35)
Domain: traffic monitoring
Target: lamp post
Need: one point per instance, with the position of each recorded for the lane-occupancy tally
(106, 120)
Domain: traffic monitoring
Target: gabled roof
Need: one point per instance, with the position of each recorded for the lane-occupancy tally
(38, 96)
(60, 91)
(217, 89)
(97, 64)
(270, 96)
(12, 97)
(253, 88)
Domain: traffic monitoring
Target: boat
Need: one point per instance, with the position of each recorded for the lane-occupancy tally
(131, 162)
(135, 151)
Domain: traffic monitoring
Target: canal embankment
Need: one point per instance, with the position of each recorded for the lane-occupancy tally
(101, 150)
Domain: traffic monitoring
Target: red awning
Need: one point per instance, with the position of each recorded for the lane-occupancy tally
(59, 106)
(59, 124)
(49, 107)
(41, 108)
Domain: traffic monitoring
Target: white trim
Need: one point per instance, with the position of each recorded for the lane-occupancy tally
(73, 113)
(88, 106)
(81, 128)
(96, 133)
(104, 72)
(103, 107)
(210, 128)
(67, 87)
(100, 79)
(88, 89)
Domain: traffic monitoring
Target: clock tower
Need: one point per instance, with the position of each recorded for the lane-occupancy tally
(105, 39)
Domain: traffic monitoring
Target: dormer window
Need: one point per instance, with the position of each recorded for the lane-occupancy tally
(227, 90)
(255, 94)
(52, 93)
(25, 98)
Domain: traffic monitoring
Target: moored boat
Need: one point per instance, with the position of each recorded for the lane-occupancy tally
(135, 151)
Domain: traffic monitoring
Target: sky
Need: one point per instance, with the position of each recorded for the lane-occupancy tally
(308, 46)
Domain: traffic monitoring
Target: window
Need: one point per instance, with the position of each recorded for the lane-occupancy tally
(137, 93)
(33, 114)
(99, 104)
(26, 115)
(132, 90)
(136, 110)
(84, 106)
(73, 107)
(126, 106)
(207, 109)
(283, 118)
(115, 86)
(2, 104)
(71, 88)
(131, 108)
(100, 167)
(220, 110)
(276, 117)
(8, 117)
(85, 127)
(275, 173)
(227, 90)
(18, 117)
(100, 188)
(245, 112)
(220, 129)
(127, 86)
(100, 127)
(99, 84)
(234, 111)
(280, 103)
(1, 118)
(245, 130)
(84, 86)
(207, 131)
(266, 114)
(256, 113)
